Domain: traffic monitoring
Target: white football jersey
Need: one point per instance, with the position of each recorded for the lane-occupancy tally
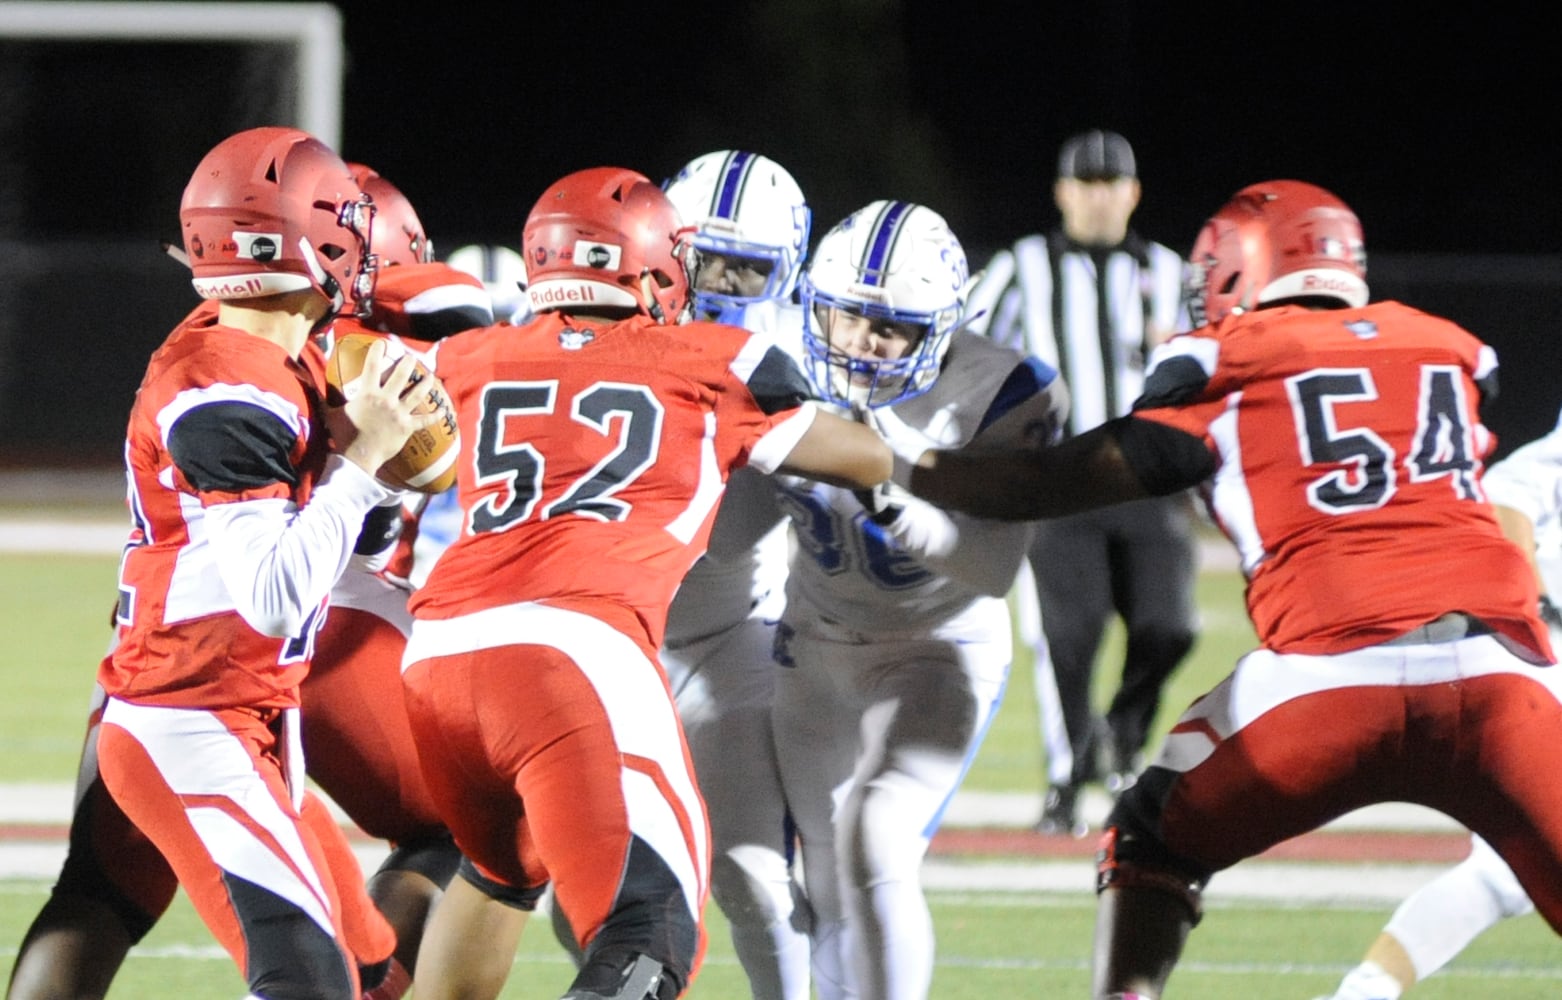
(925, 570)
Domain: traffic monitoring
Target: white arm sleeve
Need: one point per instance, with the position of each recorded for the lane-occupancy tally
(980, 553)
(279, 561)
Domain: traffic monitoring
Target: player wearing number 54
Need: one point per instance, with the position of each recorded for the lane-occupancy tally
(1339, 444)
(597, 440)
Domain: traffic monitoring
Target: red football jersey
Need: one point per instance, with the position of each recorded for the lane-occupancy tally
(593, 456)
(220, 416)
(1350, 452)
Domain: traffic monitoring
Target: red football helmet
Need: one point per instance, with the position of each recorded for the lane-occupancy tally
(398, 232)
(1274, 241)
(595, 234)
(273, 210)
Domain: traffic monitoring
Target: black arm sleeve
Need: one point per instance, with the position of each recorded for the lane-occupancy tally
(1163, 458)
(230, 447)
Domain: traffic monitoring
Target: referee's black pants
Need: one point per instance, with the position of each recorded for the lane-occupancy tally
(1136, 560)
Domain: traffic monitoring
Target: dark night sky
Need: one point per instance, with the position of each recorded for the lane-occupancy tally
(1441, 131)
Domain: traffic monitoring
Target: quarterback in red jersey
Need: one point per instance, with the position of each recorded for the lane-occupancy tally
(1340, 447)
(247, 496)
(599, 439)
(115, 884)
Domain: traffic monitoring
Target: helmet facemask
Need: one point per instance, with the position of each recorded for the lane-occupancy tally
(357, 218)
(852, 380)
(707, 250)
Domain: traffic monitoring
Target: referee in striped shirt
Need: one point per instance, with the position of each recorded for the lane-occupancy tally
(1092, 297)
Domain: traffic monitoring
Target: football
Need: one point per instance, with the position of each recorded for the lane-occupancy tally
(427, 462)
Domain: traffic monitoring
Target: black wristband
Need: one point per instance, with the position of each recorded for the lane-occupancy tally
(886, 517)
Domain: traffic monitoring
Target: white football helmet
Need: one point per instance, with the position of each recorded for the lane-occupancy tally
(502, 272)
(894, 261)
(741, 204)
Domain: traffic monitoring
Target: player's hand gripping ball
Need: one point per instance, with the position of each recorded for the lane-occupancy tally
(427, 462)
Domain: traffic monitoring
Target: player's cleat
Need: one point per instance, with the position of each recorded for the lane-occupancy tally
(1367, 981)
(1060, 812)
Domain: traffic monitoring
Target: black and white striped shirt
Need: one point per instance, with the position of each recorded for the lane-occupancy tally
(1136, 285)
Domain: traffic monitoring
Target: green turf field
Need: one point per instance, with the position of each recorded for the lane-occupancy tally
(55, 610)
(989, 945)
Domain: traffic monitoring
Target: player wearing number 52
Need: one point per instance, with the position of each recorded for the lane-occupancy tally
(598, 439)
(1339, 444)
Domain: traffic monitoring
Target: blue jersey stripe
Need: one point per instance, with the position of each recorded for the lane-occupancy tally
(1028, 378)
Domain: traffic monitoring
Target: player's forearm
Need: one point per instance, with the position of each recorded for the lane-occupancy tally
(1123, 459)
(279, 564)
(839, 452)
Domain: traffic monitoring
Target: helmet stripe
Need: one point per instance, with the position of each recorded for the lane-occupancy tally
(734, 174)
(886, 229)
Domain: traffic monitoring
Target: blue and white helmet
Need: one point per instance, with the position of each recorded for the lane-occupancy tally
(741, 204)
(890, 260)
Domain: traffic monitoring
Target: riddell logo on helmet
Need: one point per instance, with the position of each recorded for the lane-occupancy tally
(553, 295)
(222, 288)
(1320, 283)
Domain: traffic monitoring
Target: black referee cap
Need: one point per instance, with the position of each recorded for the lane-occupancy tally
(1096, 155)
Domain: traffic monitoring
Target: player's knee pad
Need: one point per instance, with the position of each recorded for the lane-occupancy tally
(436, 859)
(620, 974)
(1133, 856)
